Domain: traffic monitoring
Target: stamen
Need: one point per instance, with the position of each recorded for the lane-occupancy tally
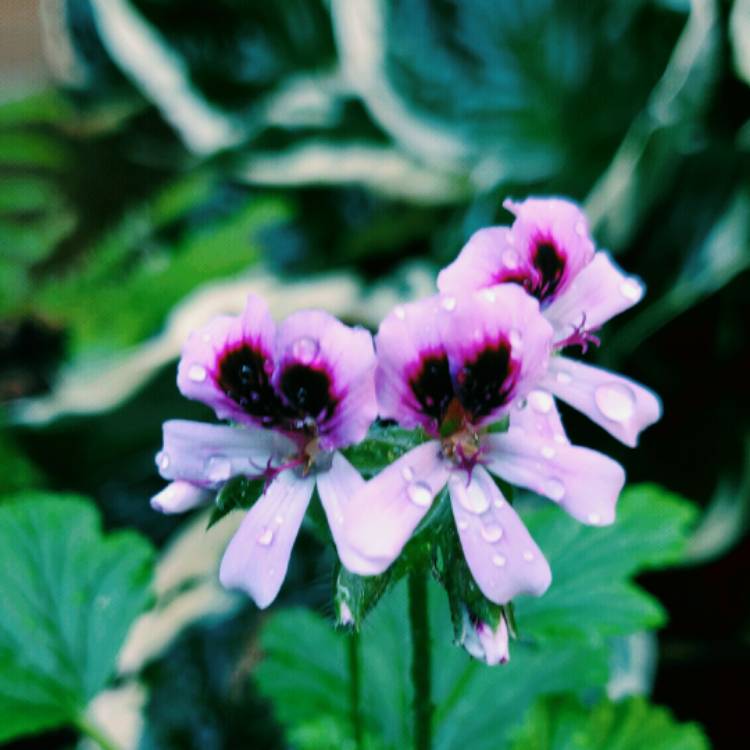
(580, 337)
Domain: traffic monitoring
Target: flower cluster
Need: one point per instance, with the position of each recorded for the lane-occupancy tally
(484, 351)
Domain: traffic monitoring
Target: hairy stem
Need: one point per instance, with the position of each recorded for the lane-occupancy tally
(421, 668)
(355, 688)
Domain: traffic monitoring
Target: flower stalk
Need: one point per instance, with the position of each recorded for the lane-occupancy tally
(355, 688)
(421, 666)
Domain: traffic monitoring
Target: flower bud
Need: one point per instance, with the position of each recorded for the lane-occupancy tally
(484, 642)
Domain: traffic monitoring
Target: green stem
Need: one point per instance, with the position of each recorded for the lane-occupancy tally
(421, 668)
(93, 732)
(355, 688)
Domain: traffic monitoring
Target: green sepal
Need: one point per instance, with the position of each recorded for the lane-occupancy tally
(238, 492)
(355, 596)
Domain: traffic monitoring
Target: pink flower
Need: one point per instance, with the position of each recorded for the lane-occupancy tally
(549, 252)
(484, 642)
(297, 395)
(453, 365)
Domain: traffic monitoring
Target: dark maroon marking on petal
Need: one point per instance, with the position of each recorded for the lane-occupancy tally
(241, 374)
(487, 381)
(308, 391)
(431, 385)
(549, 261)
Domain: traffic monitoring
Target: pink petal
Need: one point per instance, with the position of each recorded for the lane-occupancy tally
(179, 497)
(209, 454)
(619, 405)
(472, 324)
(586, 483)
(198, 373)
(487, 259)
(598, 293)
(336, 488)
(317, 340)
(538, 415)
(484, 643)
(382, 516)
(503, 558)
(257, 558)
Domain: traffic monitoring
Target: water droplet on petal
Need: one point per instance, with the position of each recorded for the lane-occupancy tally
(563, 378)
(631, 290)
(528, 555)
(554, 489)
(489, 295)
(400, 312)
(419, 493)
(541, 401)
(472, 498)
(548, 451)
(462, 524)
(279, 519)
(510, 259)
(407, 473)
(499, 502)
(580, 229)
(594, 519)
(449, 303)
(498, 561)
(559, 438)
(162, 460)
(492, 533)
(305, 349)
(516, 340)
(218, 468)
(265, 537)
(197, 373)
(615, 401)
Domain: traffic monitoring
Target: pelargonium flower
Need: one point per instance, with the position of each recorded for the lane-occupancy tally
(484, 642)
(454, 365)
(296, 395)
(549, 252)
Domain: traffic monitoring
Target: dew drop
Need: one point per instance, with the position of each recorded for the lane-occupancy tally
(462, 524)
(594, 519)
(498, 561)
(548, 451)
(218, 468)
(265, 537)
(492, 533)
(510, 259)
(528, 555)
(400, 312)
(197, 373)
(419, 493)
(499, 502)
(489, 295)
(407, 473)
(616, 401)
(563, 378)
(449, 304)
(162, 460)
(279, 519)
(580, 229)
(541, 401)
(631, 290)
(554, 489)
(559, 438)
(472, 498)
(305, 349)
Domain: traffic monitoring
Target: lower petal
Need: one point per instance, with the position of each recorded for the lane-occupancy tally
(257, 558)
(503, 558)
(382, 516)
(209, 454)
(619, 405)
(586, 483)
(179, 497)
(599, 292)
(336, 488)
(538, 415)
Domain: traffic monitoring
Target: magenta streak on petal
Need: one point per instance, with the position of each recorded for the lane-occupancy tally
(257, 557)
(382, 516)
(503, 558)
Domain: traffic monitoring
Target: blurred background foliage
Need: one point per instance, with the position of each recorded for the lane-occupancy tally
(171, 155)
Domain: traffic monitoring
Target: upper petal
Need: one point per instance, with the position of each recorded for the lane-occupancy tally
(619, 405)
(599, 292)
(227, 364)
(503, 558)
(208, 454)
(257, 558)
(336, 488)
(538, 415)
(584, 482)
(327, 370)
(382, 516)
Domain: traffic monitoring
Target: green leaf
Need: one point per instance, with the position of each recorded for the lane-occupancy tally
(68, 598)
(304, 672)
(384, 444)
(592, 595)
(238, 492)
(633, 724)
